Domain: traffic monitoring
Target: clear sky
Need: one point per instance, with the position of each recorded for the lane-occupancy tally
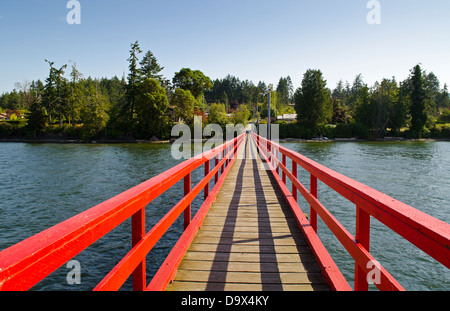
(251, 39)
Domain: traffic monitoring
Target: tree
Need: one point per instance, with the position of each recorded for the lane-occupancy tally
(194, 81)
(184, 104)
(61, 89)
(241, 115)
(417, 96)
(365, 110)
(75, 94)
(55, 92)
(93, 115)
(399, 110)
(313, 101)
(218, 115)
(151, 110)
(36, 118)
(443, 100)
(150, 67)
(134, 79)
(284, 91)
(49, 94)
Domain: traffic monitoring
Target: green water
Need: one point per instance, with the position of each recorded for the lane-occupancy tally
(44, 184)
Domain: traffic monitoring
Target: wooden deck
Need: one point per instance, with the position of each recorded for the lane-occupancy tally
(249, 240)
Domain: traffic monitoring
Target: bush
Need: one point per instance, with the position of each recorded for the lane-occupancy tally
(440, 131)
(6, 129)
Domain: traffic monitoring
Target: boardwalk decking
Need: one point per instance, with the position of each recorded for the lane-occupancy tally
(249, 240)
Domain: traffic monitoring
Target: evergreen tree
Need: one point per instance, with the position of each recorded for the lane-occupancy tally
(50, 94)
(150, 67)
(36, 118)
(417, 96)
(313, 101)
(134, 79)
(93, 114)
(76, 94)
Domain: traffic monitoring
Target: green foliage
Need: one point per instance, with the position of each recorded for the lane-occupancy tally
(313, 101)
(285, 90)
(217, 115)
(194, 81)
(418, 97)
(444, 117)
(150, 67)
(93, 115)
(151, 110)
(6, 129)
(137, 104)
(440, 131)
(241, 115)
(36, 119)
(184, 104)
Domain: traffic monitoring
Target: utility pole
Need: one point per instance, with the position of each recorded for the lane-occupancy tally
(269, 117)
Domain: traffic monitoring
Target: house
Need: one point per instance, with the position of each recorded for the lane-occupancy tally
(287, 117)
(3, 116)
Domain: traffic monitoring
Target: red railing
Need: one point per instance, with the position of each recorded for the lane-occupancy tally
(25, 264)
(424, 231)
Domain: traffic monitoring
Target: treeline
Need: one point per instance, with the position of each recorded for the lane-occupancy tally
(145, 104)
(142, 105)
(417, 107)
(136, 106)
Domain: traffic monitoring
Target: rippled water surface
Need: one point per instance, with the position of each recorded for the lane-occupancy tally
(44, 184)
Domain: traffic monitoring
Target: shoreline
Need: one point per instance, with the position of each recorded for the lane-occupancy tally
(54, 140)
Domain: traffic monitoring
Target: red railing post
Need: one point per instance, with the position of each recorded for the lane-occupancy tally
(187, 212)
(284, 174)
(294, 173)
(223, 165)
(207, 167)
(313, 213)
(216, 162)
(362, 236)
(137, 234)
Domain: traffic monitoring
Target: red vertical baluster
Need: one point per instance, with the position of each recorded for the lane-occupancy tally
(313, 213)
(207, 164)
(137, 233)
(187, 212)
(362, 236)
(216, 162)
(294, 172)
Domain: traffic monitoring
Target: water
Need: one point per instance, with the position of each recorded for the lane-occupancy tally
(44, 184)
(416, 173)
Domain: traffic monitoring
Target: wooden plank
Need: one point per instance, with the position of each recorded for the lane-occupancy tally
(248, 257)
(250, 277)
(287, 267)
(203, 286)
(249, 240)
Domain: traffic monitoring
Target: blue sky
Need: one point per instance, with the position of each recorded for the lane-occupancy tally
(251, 39)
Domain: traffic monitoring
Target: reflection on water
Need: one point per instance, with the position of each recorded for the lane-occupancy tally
(42, 185)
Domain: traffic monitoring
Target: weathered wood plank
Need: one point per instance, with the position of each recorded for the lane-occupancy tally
(249, 240)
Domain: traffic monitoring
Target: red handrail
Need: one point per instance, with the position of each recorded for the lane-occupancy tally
(424, 231)
(25, 264)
